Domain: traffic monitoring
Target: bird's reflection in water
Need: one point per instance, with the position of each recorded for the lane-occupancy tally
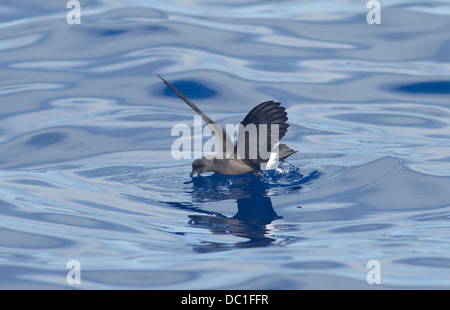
(254, 208)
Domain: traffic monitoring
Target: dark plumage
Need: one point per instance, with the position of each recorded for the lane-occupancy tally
(266, 120)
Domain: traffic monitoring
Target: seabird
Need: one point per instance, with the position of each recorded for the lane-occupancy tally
(269, 121)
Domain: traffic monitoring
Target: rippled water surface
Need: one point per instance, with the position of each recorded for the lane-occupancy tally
(86, 171)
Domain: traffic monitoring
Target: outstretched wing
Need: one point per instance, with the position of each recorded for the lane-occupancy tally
(260, 131)
(224, 142)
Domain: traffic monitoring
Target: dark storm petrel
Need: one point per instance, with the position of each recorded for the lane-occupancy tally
(257, 141)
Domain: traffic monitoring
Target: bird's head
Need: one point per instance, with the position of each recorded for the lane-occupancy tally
(201, 165)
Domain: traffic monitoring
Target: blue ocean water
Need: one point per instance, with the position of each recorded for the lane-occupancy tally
(87, 173)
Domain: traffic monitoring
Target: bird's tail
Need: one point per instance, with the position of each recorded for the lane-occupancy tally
(284, 151)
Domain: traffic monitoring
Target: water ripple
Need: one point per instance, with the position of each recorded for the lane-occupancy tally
(18, 42)
(24, 87)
